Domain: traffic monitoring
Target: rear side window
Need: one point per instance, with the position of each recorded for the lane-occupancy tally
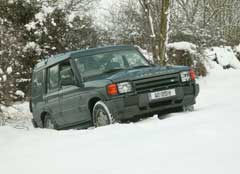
(53, 79)
(37, 83)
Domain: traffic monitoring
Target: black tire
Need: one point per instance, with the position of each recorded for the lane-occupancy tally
(48, 123)
(135, 119)
(189, 108)
(101, 115)
(34, 123)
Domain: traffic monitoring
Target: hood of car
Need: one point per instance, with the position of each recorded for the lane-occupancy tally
(140, 73)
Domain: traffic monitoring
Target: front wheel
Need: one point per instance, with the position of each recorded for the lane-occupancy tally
(101, 115)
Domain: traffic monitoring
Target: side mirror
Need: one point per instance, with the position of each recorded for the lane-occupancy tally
(67, 77)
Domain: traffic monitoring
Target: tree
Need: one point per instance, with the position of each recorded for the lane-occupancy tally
(32, 30)
(146, 5)
(158, 14)
(10, 65)
(206, 23)
(165, 15)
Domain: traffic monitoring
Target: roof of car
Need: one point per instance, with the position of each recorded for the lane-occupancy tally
(83, 52)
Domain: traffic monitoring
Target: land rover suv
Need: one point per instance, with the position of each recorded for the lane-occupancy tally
(100, 86)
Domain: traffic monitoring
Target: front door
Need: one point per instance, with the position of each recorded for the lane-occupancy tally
(70, 99)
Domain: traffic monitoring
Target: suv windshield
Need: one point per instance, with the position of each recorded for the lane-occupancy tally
(93, 66)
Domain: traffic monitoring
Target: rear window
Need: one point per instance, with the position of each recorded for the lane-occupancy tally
(37, 83)
(52, 79)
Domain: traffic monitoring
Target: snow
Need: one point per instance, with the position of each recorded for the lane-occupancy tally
(204, 141)
(103, 11)
(20, 93)
(71, 17)
(30, 26)
(4, 78)
(41, 16)
(9, 70)
(168, 13)
(32, 46)
(53, 22)
(150, 19)
(18, 111)
(146, 54)
(225, 56)
(183, 46)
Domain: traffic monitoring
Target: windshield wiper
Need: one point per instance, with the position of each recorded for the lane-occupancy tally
(113, 70)
(140, 66)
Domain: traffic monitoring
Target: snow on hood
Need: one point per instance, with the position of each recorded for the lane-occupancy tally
(224, 55)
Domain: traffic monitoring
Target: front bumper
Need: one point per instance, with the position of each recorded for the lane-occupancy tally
(129, 106)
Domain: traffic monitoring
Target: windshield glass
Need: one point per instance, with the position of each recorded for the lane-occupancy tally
(93, 66)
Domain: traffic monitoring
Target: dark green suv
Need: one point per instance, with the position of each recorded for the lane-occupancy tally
(97, 87)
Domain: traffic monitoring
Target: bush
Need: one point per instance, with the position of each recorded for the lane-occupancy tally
(186, 57)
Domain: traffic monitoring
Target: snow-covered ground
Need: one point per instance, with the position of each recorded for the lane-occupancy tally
(17, 116)
(204, 141)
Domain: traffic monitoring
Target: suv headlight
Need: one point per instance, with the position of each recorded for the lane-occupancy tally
(124, 87)
(185, 76)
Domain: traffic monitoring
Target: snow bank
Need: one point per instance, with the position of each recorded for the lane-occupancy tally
(17, 115)
(218, 57)
(223, 56)
(183, 46)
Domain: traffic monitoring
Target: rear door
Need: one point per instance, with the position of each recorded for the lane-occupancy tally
(37, 102)
(52, 93)
(70, 100)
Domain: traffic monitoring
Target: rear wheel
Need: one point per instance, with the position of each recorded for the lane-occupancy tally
(101, 115)
(189, 108)
(34, 123)
(48, 123)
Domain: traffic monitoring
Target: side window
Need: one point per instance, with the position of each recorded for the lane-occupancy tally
(66, 72)
(37, 83)
(53, 79)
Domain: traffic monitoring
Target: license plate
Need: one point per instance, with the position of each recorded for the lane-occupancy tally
(162, 94)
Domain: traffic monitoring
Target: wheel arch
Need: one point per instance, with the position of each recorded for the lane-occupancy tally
(110, 117)
(92, 102)
(42, 117)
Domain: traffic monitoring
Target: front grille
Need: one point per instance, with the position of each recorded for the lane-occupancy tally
(156, 83)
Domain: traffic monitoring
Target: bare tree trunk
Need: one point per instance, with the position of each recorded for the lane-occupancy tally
(147, 9)
(164, 30)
